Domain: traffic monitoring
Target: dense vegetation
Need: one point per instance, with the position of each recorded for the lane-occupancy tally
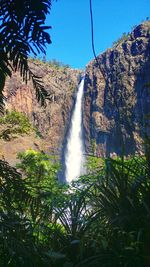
(14, 123)
(103, 219)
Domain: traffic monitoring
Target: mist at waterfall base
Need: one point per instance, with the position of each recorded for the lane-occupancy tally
(74, 152)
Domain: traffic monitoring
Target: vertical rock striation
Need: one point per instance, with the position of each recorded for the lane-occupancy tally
(52, 121)
(117, 96)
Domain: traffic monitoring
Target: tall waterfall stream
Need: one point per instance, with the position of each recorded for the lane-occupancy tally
(74, 156)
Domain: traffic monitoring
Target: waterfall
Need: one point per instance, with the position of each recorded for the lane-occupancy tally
(74, 158)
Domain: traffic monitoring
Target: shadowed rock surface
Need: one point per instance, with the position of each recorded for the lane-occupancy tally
(117, 96)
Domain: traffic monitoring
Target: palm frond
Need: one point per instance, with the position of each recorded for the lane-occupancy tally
(22, 31)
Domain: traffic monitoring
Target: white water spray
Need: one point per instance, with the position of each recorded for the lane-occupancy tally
(74, 159)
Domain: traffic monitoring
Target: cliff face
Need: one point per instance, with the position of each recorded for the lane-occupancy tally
(116, 101)
(117, 96)
(51, 121)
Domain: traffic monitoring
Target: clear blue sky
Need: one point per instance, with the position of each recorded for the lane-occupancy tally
(71, 30)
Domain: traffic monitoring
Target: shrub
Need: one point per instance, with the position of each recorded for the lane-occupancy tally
(14, 123)
(120, 40)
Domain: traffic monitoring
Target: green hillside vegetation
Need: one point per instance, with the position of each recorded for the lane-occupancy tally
(120, 40)
(57, 64)
(124, 37)
(53, 63)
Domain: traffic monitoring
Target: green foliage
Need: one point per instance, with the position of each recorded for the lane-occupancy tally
(102, 219)
(32, 161)
(57, 64)
(93, 146)
(37, 167)
(54, 63)
(27, 210)
(40, 171)
(14, 123)
(16, 238)
(94, 164)
(125, 36)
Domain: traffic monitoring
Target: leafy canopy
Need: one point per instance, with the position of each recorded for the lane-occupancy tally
(102, 219)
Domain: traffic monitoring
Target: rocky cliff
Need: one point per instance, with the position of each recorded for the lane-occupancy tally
(117, 96)
(52, 122)
(116, 101)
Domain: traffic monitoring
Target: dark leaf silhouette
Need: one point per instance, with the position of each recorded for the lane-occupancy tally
(22, 31)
